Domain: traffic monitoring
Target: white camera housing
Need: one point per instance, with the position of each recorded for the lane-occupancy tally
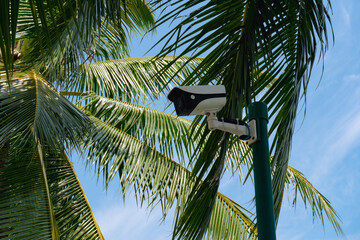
(198, 100)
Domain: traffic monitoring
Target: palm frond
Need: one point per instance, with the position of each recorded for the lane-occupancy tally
(230, 214)
(244, 39)
(64, 34)
(32, 107)
(239, 158)
(156, 178)
(41, 197)
(312, 197)
(194, 219)
(300, 49)
(25, 200)
(73, 214)
(162, 131)
(127, 79)
(295, 182)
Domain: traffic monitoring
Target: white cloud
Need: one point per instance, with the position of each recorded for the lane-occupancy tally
(346, 16)
(343, 139)
(355, 236)
(119, 221)
(352, 77)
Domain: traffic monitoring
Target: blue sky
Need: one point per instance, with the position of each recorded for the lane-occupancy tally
(326, 148)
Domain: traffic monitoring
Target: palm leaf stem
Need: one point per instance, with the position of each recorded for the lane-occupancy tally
(85, 198)
(54, 226)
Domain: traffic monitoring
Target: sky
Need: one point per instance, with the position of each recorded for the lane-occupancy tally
(326, 148)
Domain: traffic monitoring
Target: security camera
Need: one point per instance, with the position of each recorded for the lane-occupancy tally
(208, 100)
(198, 100)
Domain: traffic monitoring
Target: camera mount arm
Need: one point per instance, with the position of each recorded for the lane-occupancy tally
(245, 131)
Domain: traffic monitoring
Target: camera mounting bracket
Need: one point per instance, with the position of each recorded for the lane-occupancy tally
(245, 131)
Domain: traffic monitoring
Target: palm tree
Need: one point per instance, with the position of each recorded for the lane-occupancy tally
(261, 51)
(53, 51)
(42, 44)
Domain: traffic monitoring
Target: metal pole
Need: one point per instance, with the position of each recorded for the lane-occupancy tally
(262, 176)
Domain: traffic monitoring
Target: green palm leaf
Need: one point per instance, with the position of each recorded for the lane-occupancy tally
(39, 185)
(128, 78)
(240, 156)
(159, 130)
(32, 107)
(25, 198)
(156, 178)
(311, 196)
(72, 209)
(84, 31)
(64, 34)
(230, 214)
(41, 197)
(127, 116)
(244, 39)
